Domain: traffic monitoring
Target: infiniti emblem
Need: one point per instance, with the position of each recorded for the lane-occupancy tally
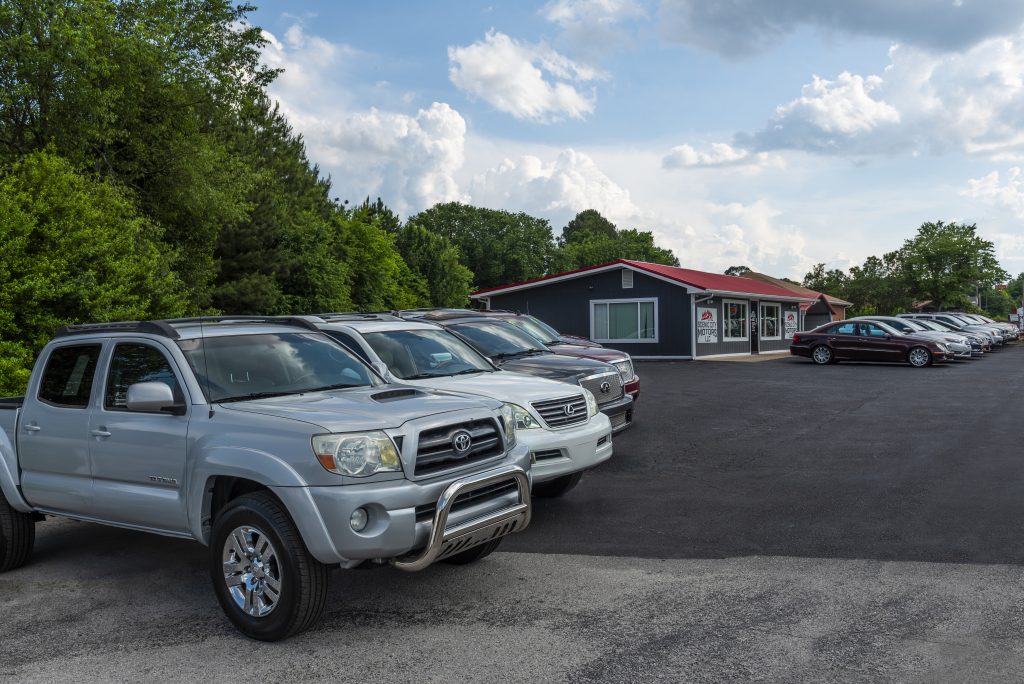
(606, 387)
(461, 442)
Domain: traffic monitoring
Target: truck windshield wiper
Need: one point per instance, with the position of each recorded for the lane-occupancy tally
(421, 376)
(339, 385)
(257, 395)
(472, 370)
(524, 352)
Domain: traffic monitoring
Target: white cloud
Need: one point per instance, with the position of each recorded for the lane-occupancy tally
(1008, 195)
(593, 27)
(923, 103)
(557, 189)
(740, 28)
(719, 154)
(530, 81)
(410, 160)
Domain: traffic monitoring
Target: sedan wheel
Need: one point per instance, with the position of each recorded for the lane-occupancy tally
(822, 355)
(919, 357)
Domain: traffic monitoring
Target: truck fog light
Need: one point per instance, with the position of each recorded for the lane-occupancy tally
(359, 519)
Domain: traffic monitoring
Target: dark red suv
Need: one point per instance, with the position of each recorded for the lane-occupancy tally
(572, 346)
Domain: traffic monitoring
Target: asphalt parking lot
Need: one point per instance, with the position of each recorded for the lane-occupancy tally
(762, 521)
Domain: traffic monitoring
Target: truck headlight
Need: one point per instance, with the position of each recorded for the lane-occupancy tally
(625, 368)
(357, 454)
(508, 417)
(592, 407)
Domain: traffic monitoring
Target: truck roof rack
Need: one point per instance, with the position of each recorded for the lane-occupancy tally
(161, 328)
(358, 316)
(439, 314)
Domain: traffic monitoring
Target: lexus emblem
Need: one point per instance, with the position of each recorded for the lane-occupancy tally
(570, 409)
(461, 442)
(606, 387)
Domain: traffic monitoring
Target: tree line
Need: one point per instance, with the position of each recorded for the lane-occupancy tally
(145, 172)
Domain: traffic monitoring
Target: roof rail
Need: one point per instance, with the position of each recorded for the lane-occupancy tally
(161, 328)
(295, 321)
(357, 316)
(439, 314)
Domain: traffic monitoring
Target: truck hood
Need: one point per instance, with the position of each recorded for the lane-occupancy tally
(584, 352)
(580, 341)
(376, 408)
(555, 366)
(502, 386)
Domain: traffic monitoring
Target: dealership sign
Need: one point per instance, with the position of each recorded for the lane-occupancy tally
(707, 325)
(791, 324)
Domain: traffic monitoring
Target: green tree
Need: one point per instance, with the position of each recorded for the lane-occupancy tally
(737, 270)
(587, 223)
(75, 249)
(436, 261)
(830, 281)
(499, 247)
(948, 262)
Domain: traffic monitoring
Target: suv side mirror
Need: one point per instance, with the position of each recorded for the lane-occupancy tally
(153, 397)
(381, 369)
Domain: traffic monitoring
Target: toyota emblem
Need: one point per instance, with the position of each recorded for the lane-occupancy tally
(461, 442)
(606, 387)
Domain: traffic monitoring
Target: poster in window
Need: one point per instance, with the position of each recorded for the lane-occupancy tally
(791, 324)
(707, 325)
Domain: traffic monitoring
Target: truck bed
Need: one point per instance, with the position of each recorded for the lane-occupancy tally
(9, 407)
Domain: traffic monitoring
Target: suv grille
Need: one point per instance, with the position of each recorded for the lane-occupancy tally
(595, 382)
(436, 450)
(562, 412)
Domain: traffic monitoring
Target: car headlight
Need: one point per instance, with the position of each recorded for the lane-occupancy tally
(942, 346)
(524, 420)
(625, 368)
(508, 418)
(357, 454)
(592, 408)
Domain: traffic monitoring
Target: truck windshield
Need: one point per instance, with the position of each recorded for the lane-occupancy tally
(498, 340)
(419, 354)
(542, 331)
(239, 367)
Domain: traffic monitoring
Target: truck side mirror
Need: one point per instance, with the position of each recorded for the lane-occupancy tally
(153, 397)
(381, 369)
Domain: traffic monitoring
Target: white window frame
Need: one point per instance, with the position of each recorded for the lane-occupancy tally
(638, 302)
(627, 279)
(725, 320)
(778, 320)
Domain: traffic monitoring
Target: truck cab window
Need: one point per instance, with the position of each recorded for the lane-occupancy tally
(67, 380)
(132, 363)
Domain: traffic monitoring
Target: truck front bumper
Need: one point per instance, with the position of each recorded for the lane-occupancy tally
(403, 514)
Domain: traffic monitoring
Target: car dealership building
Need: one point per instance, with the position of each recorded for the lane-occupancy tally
(659, 312)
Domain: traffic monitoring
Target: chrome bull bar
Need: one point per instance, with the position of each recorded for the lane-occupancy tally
(447, 542)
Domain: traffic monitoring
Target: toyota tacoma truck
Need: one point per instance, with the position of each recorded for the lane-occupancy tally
(264, 440)
(560, 424)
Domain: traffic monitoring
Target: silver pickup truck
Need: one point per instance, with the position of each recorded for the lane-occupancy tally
(264, 440)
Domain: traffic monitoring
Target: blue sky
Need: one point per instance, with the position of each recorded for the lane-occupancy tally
(775, 135)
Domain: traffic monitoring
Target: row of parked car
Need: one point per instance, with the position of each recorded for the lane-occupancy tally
(920, 339)
(290, 445)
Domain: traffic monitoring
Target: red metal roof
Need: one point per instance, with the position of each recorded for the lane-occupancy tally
(701, 280)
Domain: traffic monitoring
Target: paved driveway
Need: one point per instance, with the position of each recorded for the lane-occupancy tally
(773, 521)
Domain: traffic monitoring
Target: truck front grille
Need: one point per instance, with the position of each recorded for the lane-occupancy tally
(437, 450)
(562, 412)
(607, 387)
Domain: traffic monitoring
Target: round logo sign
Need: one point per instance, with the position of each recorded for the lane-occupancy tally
(461, 442)
(606, 387)
(569, 409)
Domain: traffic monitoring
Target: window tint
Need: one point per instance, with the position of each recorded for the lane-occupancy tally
(132, 363)
(67, 380)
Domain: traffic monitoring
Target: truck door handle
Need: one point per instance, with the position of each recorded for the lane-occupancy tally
(99, 433)
(32, 428)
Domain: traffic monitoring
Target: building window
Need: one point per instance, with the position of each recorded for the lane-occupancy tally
(771, 321)
(624, 320)
(627, 279)
(734, 317)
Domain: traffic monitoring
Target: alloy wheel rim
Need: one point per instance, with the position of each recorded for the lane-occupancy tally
(252, 572)
(919, 357)
(821, 355)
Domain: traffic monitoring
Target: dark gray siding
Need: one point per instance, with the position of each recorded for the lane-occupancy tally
(722, 347)
(565, 305)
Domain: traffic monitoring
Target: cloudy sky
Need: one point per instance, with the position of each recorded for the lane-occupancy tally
(771, 134)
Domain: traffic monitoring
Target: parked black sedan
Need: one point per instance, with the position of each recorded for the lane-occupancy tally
(867, 341)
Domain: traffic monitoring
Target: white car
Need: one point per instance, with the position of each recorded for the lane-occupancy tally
(560, 423)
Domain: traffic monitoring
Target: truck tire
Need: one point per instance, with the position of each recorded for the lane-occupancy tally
(17, 536)
(474, 554)
(557, 487)
(266, 581)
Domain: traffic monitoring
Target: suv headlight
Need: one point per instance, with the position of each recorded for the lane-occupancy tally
(625, 368)
(592, 407)
(508, 418)
(524, 420)
(357, 454)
